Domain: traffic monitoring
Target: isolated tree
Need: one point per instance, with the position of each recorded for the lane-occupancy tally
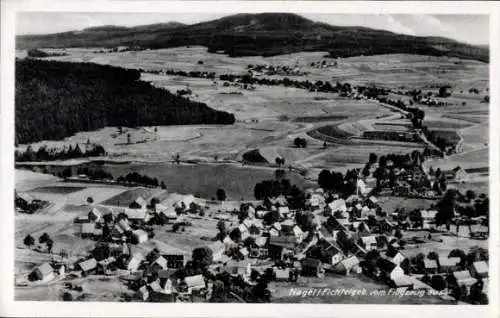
(50, 244)
(373, 158)
(129, 138)
(90, 200)
(162, 185)
(438, 282)
(44, 238)
(235, 235)
(221, 194)
(433, 255)
(221, 227)
(249, 241)
(67, 297)
(29, 240)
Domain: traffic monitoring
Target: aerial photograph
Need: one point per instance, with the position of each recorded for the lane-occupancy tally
(252, 158)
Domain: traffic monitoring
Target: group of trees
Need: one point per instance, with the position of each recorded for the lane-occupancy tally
(95, 174)
(57, 99)
(194, 74)
(300, 142)
(44, 153)
(468, 205)
(345, 185)
(29, 241)
(137, 178)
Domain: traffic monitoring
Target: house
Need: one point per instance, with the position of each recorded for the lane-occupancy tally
(105, 266)
(284, 211)
(175, 261)
(316, 200)
(279, 246)
(448, 264)
(140, 236)
(260, 214)
(95, 215)
(87, 230)
(138, 203)
(185, 202)
(479, 269)
(88, 267)
(388, 269)
(144, 292)
(196, 282)
(395, 256)
(463, 278)
(43, 272)
(299, 234)
(167, 213)
(124, 225)
(234, 268)
(118, 234)
(331, 253)
(134, 262)
(457, 174)
(242, 228)
(282, 275)
(228, 242)
(160, 263)
(430, 266)
(369, 242)
(23, 200)
(312, 267)
(403, 281)
(218, 249)
(334, 206)
(386, 226)
(243, 252)
(287, 225)
(135, 214)
(348, 265)
(274, 232)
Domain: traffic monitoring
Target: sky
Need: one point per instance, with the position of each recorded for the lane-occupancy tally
(473, 29)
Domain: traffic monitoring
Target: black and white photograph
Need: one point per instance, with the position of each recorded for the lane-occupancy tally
(262, 157)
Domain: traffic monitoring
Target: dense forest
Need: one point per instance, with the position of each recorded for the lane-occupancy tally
(57, 99)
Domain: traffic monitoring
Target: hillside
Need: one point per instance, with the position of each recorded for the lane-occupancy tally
(56, 99)
(264, 34)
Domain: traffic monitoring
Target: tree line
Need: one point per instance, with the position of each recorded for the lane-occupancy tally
(58, 99)
(44, 153)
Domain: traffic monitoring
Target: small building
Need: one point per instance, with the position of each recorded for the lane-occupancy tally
(464, 278)
(479, 269)
(388, 269)
(87, 230)
(235, 268)
(336, 205)
(448, 264)
(243, 252)
(195, 283)
(134, 261)
(348, 265)
(218, 249)
(282, 275)
(395, 256)
(140, 236)
(312, 267)
(228, 242)
(95, 215)
(138, 203)
(403, 281)
(43, 272)
(160, 263)
(369, 242)
(88, 267)
(430, 266)
(299, 234)
(284, 211)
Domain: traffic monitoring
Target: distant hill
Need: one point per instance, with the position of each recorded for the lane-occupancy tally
(264, 34)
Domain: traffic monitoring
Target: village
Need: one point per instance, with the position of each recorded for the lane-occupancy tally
(281, 238)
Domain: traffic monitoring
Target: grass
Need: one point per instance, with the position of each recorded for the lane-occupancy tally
(58, 190)
(203, 180)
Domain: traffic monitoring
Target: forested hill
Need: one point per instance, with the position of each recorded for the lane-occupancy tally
(259, 34)
(57, 99)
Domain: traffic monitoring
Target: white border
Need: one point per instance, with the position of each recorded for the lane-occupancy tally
(11, 308)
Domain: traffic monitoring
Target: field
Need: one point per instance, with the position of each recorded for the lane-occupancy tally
(58, 190)
(127, 197)
(203, 180)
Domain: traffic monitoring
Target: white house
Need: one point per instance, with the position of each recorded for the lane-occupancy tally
(140, 235)
(218, 248)
(370, 242)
